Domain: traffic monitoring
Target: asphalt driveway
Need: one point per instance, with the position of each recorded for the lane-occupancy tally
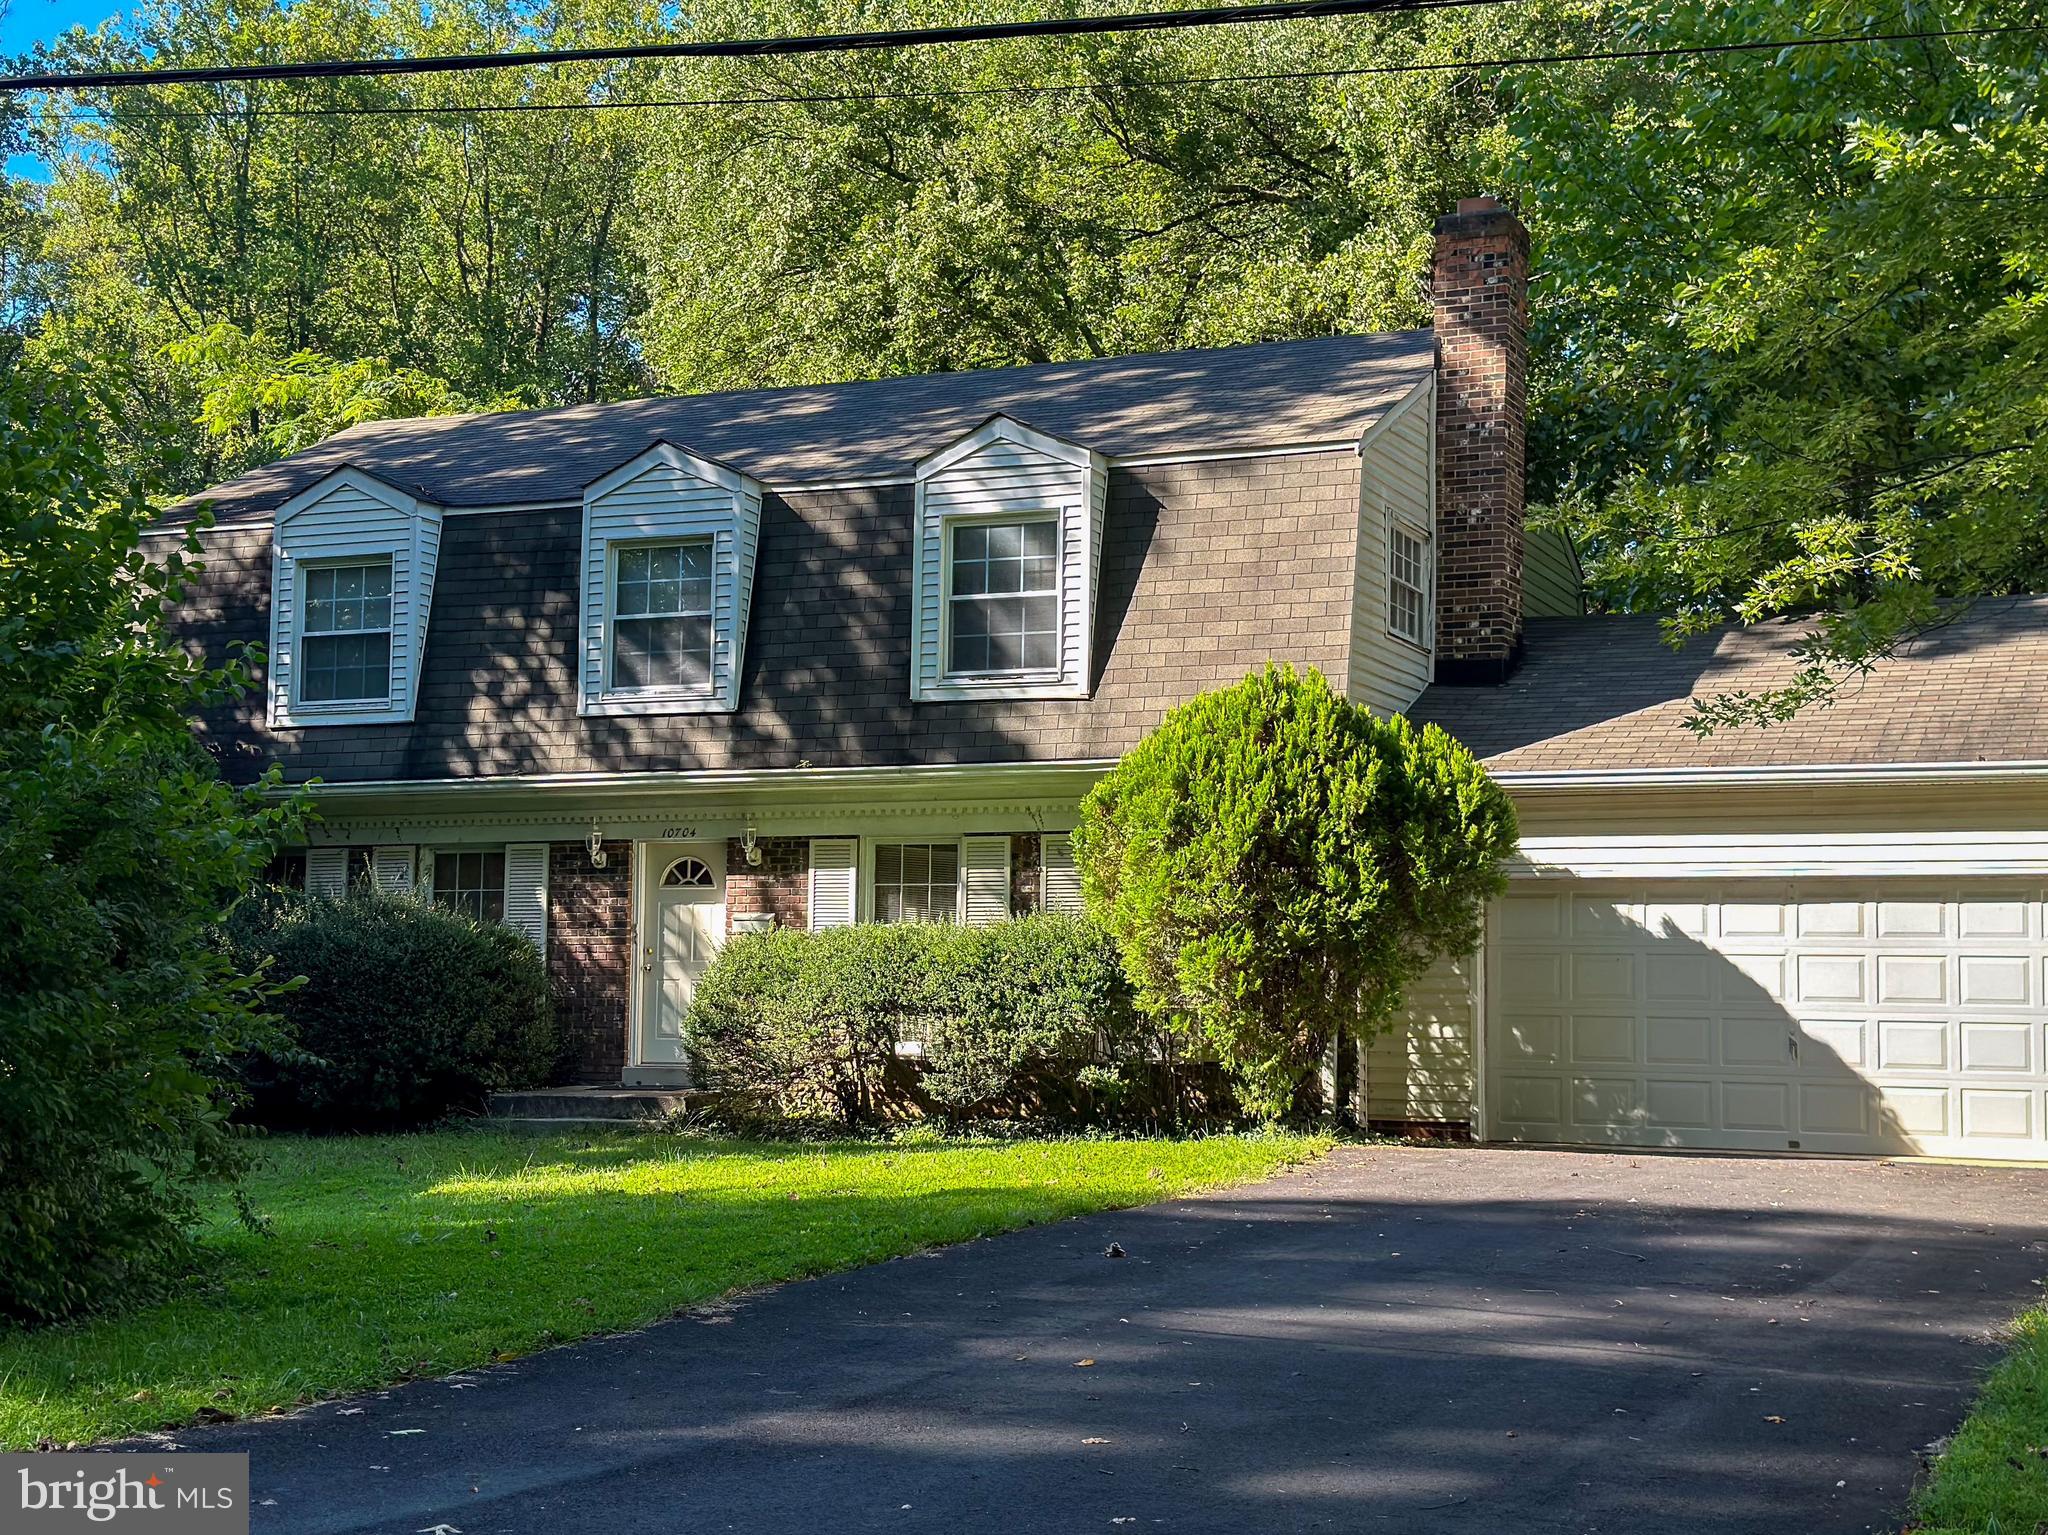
(1394, 1340)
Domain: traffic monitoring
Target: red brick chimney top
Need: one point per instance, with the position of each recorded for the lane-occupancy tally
(1478, 204)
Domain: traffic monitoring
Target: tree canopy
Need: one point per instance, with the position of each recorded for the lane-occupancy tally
(1788, 315)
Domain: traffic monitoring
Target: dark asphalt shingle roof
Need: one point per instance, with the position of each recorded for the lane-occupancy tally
(1276, 394)
(1607, 693)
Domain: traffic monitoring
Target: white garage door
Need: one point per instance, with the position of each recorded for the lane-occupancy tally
(1815, 1018)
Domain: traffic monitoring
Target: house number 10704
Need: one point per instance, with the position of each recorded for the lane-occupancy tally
(678, 833)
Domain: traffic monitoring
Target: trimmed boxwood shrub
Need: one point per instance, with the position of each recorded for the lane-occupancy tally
(805, 1025)
(408, 1012)
(1279, 865)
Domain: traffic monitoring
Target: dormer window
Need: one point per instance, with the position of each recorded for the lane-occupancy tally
(352, 580)
(1003, 599)
(345, 644)
(669, 540)
(1009, 550)
(661, 617)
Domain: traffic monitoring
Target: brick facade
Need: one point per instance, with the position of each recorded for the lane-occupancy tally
(1480, 289)
(590, 954)
(778, 887)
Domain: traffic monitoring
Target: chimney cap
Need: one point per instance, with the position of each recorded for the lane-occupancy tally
(1485, 203)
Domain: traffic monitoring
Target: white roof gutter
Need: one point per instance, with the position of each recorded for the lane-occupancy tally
(1816, 775)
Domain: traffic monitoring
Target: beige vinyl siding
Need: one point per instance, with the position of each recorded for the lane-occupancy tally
(1421, 1067)
(668, 501)
(1551, 584)
(1397, 466)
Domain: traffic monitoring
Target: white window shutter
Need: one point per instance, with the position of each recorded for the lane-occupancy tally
(985, 871)
(834, 865)
(526, 890)
(327, 872)
(1059, 882)
(391, 867)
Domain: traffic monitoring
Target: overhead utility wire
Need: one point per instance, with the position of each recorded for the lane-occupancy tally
(737, 48)
(825, 98)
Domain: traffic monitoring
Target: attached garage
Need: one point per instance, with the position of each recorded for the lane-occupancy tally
(1868, 1017)
(1827, 936)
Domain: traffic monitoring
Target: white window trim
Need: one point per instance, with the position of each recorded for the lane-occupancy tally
(302, 571)
(708, 692)
(733, 529)
(864, 903)
(1408, 526)
(979, 681)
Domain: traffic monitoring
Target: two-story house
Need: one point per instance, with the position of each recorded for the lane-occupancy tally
(636, 677)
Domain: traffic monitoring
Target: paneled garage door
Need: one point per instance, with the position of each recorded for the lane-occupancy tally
(1815, 1018)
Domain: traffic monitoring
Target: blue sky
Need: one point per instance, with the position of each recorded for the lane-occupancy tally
(24, 23)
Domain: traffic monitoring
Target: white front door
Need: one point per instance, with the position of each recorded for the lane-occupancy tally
(684, 905)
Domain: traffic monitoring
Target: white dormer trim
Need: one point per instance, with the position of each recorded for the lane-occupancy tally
(349, 517)
(1005, 471)
(669, 494)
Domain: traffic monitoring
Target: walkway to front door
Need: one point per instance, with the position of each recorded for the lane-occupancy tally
(682, 923)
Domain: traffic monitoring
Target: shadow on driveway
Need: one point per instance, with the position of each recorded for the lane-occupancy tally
(1394, 1340)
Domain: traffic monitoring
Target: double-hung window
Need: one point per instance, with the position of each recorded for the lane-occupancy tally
(917, 882)
(661, 617)
(1408, 584)
(345, 638)
(472, 880)
(1002, 601)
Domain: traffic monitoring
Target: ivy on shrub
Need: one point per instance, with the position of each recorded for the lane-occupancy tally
(806, 1025)
(409, 1012)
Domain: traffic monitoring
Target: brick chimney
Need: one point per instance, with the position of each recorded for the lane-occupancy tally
(1479, 287)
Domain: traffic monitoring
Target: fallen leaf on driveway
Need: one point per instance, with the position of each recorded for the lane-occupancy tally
(1082, 1364)
(1095, 1441)
(1773, 1418)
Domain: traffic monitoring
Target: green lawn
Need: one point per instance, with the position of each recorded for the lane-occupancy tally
(1993, 1480)
(399, 1256)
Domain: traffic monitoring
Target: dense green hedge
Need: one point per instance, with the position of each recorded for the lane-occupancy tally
(408, 1011)
(1011, 1018)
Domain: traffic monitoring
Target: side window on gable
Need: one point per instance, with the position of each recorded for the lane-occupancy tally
(1408, 601)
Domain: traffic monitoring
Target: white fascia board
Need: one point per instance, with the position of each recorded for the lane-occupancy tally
(355, 479)
(1817, 775)
(667, 455)
(911, 781)
(1424, 388)
(1001, 428)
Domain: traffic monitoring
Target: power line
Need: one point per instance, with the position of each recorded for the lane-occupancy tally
(738, 48)
(827, 98)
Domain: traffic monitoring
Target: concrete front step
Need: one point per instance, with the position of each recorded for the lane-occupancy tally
(593, 1105)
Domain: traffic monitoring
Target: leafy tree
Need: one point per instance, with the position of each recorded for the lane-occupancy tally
(1037, 200)
(1278, 863)
(1791, 334)
(119, 847)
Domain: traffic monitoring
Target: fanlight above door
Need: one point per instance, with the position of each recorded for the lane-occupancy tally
(688, 874)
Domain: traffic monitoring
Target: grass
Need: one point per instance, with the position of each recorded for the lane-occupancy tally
(394, 1257)
(1993, 1478)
